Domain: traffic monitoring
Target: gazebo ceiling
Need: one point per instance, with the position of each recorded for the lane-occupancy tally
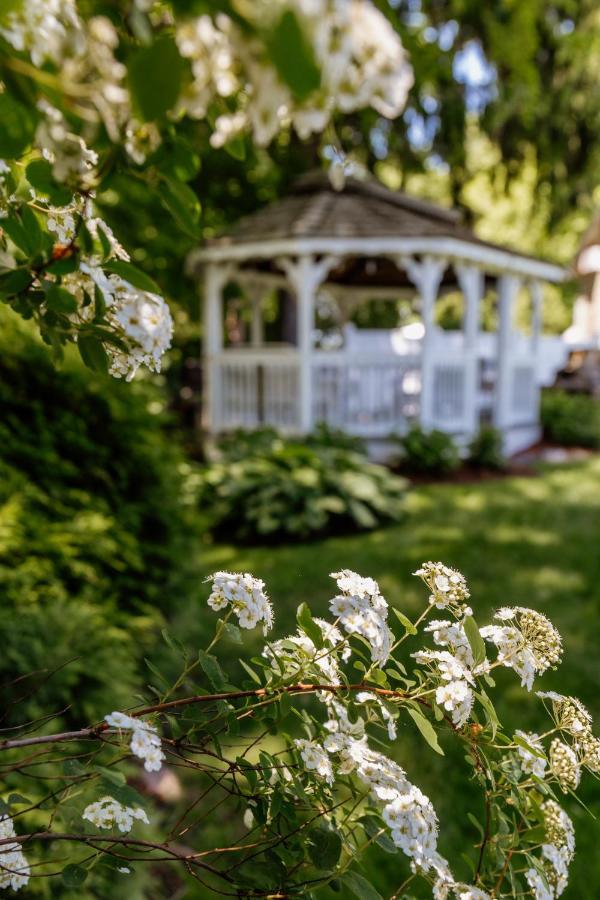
(367, 224)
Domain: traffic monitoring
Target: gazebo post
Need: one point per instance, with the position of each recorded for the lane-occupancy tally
(215, 278)
(305, 275)
(426, 276)
(471, 283)
(508, 286)
(536, 317)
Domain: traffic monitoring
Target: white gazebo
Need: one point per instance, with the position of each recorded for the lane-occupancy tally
(320, 246)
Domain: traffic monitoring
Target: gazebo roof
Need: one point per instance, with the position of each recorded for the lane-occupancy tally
(364, 218)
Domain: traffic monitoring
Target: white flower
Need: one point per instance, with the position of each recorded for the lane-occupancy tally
(457, 698)
(315, 758)
(107, 811)
(362, 610)
(145, 742)
(448, 587)
(531, 763)
(245, 595)
(14, 868)
(539, 885)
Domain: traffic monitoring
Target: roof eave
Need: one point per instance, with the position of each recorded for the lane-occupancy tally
(493, 259)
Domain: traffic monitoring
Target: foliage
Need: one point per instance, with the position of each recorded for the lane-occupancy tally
(302, 742)
(428, 452)
(241, 443)
(485, 450)
(276, 489)
(571, 419)
(92, 526)
(91, 96)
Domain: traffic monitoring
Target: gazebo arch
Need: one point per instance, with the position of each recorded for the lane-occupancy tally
(367, 241)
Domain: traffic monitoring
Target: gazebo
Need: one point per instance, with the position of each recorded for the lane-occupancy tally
(349, 246)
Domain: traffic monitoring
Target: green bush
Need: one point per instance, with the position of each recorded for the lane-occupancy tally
(571, 419)
(485, 450)
(428, 452)
(297, 490)
(242, 443)
(92, 532)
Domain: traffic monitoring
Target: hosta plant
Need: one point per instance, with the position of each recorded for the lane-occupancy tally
(297, 490)
(298, 757)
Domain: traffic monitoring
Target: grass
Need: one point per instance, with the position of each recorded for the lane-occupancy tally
(519, 541)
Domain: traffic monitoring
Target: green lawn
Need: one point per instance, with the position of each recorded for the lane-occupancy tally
(524, 541)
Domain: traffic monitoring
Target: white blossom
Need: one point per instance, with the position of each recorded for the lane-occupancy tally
(245, 595)
(107, 812)
(362, 610)
(145, 742)
(531, 763)
(14, 868)
(316, 759)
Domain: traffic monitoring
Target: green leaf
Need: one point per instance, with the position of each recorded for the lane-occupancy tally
(250, 672)
(18, 127)
(212, 669)
(233, 633)
(113, 776)
(404, 621)
(17, 799)
(14, 228)
(73, 876)
(74, 767)
(92, 353)
(39, 175)
(155, 74)
(426, 729)
(309, 626)
(324, 847)
(292, 54)
(360, 887)
(183, 204)
(132, 274)
(490, 711)
(60, 300)
(475, 640)
(14, 281)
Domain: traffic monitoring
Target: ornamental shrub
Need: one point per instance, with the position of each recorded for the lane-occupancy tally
(292, 489)
(571, 419)
(92, 529)
(485, 450)
(428, 452)
(297, 757)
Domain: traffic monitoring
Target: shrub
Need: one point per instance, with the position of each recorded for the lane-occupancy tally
(297, 490)
(485, 450)
(571, 419)
(428, 452)
(92, 531)
(241, 443)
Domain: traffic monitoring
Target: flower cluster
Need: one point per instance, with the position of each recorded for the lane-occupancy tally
(244, 595)
(107, 812)
(14, 868)
(550, 878)
(564, 765)
(362, 610)
(360, 57)
(145, 742)
(448, 588)
(530, 751)
(297, 654)
(529, 644)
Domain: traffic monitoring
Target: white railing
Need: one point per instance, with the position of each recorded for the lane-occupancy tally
(256, 389)
(369, 395)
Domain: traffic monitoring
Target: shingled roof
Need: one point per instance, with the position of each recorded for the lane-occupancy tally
(364, 219)
(364, 208)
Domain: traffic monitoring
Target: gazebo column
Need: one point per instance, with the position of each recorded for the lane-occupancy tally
(537, 298)
(508, 286)
(215, 279)
(426, 277)
(471, 281)
(305, 275)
